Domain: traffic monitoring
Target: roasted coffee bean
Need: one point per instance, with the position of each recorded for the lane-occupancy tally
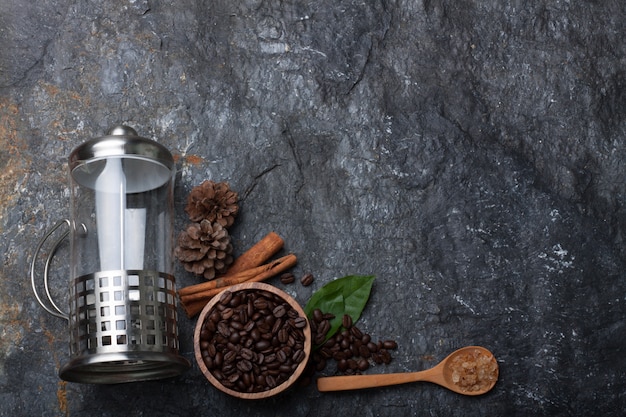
(278, 324)
(330, 343)
(346, 321)
(306, 280)
(386, 356)
(246, 379)
(260, 303)
(208, 361)
(364, 352)
(339, 355)
(235, 337)
(318, 339)
(227, 313)
(246, 354)
(218, 374)
(229, 368)
(262, 344)
(356, 332)
(345, 343)
(218, 359)
(325, 352)
(283, 335)
(298, 356)
(318, 316)
(287, 278)
(244, 365)
(390, 344)
(223, 328)
(264, 327)
(215, 317)
(236, 325)
(323, 327)
(226, 297)
(291, 341)
(255, 334)
(270, 358)
(281, 356)
(300, 322)
(249, 326)
(235, 300)
(230, 356)
(284, 369)
(279, 311)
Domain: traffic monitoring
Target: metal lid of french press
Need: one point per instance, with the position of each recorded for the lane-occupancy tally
(122, 141)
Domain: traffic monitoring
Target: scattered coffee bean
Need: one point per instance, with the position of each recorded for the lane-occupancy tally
(390, 344)
(347, 321)
(352, 350)
(318, 316)
(306, 280)
(287, 278)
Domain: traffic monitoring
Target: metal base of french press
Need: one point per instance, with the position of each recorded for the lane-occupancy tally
(115, 368)
(123, 328)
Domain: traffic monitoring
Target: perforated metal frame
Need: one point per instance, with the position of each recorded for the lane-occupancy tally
(123, 327)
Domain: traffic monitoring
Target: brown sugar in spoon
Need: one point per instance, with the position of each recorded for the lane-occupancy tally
(471, 370)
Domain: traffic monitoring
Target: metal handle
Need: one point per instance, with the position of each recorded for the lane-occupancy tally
(54, 310)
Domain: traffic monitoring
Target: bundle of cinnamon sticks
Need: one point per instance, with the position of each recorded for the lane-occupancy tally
(251, 266)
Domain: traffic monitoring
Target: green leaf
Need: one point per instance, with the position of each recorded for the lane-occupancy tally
(347, 295)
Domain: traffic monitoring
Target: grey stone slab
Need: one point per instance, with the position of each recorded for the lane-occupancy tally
(470, 155)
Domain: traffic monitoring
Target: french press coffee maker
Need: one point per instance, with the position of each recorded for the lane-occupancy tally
(122, 296)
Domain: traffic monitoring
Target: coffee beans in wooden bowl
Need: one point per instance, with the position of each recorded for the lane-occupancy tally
(252, 341)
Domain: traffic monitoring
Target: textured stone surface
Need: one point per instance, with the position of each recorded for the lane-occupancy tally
(469, 154)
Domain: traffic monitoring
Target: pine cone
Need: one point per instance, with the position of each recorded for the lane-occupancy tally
(214, 202)
(205, 249)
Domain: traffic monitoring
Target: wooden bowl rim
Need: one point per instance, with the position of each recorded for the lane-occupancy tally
(262, 394)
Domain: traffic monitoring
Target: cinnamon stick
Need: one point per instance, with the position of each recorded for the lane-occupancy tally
(268, 270)
(195, 297)
(192, 309)
(237, 278)
(258, 254)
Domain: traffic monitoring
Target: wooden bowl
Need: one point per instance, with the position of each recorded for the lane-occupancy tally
(213, 306)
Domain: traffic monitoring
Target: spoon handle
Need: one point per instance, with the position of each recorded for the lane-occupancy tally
(348, 382)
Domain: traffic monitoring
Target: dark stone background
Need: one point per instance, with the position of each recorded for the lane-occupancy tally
(470, 154)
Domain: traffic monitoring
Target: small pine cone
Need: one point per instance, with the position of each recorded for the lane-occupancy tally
(204, 248)
(214, 202)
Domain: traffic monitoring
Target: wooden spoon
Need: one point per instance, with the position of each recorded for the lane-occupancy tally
(471, 370)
